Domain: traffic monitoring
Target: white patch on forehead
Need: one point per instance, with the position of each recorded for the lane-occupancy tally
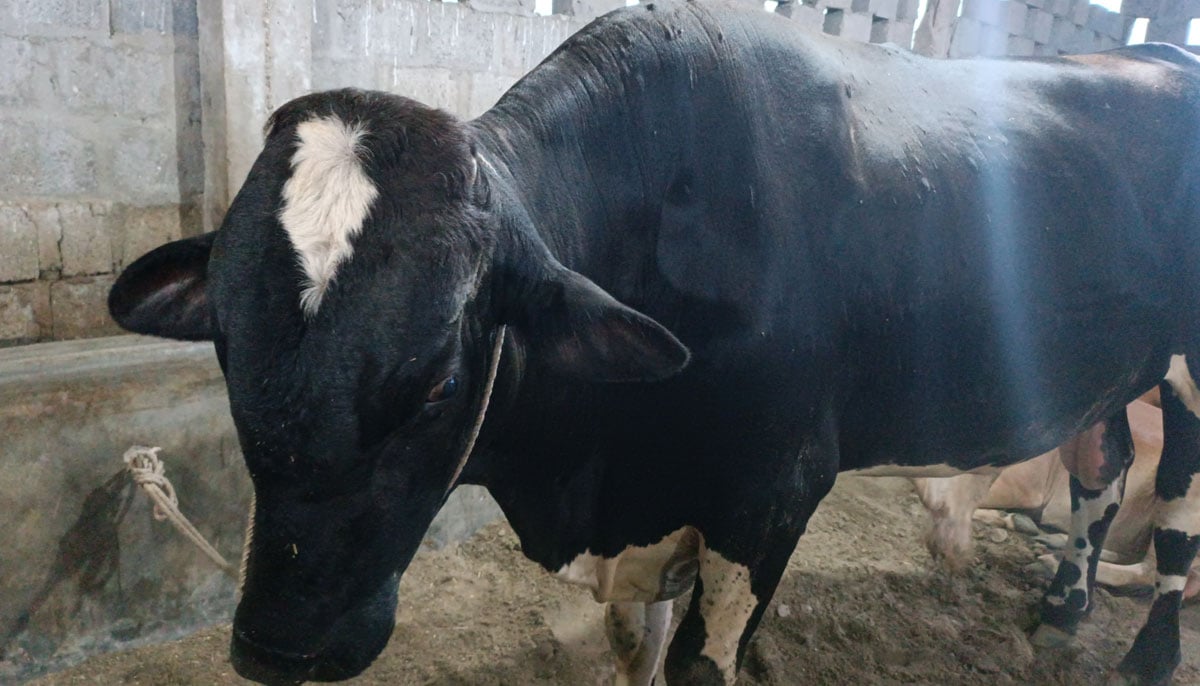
(325, 202)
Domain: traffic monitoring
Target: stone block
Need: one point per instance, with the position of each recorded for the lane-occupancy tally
(523, 8)
(1039, 26)
(177, 17)
(342, 73)
(18, 245)
(994, 42)
(886, 9)
(145, 165)
(79, 308)
(20, 66)
(983, 11)
(1013, 18)
(49, 237)
(907, 10)
(856, 27)
(1038, 4)
(968, 34)
(900, 33)
(138, 230)
(1019, 46)
(588, 9)
(808, 16)
(1080, 10)
(1045, 50)
(54, 16)
(123, 79)
(86, 242)
(1062, 32)
(44, 158)
(24, 312)
(1060, 8)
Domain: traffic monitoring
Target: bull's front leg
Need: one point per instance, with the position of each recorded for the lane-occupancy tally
(1097, 460)
(637, 633)
(739, 571)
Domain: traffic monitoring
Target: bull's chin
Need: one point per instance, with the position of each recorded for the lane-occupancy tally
(353, 642)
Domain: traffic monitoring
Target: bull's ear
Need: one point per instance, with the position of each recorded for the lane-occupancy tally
(165, 292)
(581, 331)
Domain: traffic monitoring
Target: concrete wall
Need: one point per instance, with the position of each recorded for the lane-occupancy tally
(100, 128)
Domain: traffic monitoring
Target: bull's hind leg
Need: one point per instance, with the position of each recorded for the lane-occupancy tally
(637, 633)
(1097, 460)
(1155, 652)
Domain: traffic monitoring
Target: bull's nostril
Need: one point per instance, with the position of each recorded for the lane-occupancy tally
(267, 666)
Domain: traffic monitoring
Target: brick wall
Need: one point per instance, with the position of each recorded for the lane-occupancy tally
(99, 124)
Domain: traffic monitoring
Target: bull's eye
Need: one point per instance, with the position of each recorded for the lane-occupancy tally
(444, 390)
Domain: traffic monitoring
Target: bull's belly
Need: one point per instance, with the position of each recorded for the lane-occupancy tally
(659, 571)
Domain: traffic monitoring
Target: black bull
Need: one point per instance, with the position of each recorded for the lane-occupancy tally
(874, 259)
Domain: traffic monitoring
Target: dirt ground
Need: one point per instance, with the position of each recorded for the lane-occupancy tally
(861, 604)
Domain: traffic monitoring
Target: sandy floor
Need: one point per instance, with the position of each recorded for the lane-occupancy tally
(861, 604)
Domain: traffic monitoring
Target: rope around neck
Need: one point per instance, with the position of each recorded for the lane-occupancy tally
(147, 471)
(497, 349)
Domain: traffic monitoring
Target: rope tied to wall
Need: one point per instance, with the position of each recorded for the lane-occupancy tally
(148, 471)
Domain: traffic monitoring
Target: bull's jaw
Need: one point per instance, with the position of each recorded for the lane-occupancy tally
(354, 641)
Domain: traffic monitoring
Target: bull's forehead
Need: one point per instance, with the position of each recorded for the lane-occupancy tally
(356, 162)
(325, 201)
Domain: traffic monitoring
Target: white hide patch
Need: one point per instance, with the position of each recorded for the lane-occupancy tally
(726, 606)
(1181, 514)
(325, 202)
(1180, 378)
(637, 572)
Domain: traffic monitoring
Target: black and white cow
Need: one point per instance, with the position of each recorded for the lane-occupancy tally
(875, 261)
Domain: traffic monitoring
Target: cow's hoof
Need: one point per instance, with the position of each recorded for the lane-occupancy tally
(1046, 636)
(1121, 679)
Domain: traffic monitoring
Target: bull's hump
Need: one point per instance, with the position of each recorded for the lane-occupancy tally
(326, 200)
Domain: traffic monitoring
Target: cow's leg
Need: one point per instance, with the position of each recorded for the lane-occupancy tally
(1155, 652)
(951, 502)
(637, 633)
(739, 571)
(1097, 460)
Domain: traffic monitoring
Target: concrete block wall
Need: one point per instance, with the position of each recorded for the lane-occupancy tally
(1036, 27)
(100, 127)
(867, 21)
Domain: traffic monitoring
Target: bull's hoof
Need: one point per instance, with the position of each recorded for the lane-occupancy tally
(1117, 678)
(1046, 636)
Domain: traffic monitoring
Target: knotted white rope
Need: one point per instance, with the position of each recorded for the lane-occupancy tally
(148, 471)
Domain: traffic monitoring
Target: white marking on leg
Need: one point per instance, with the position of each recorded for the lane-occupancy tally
(637, 633)
(726, 607)
(325, 202)
(1181, 514)
(1090, 511)
(1180, 378)
(1168, 583)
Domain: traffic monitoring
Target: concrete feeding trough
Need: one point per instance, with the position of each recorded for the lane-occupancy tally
(85, 567)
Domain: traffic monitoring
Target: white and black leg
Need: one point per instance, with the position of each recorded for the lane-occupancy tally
(1155, 652)
(742, 558)
(1097, 460)
(637, 633)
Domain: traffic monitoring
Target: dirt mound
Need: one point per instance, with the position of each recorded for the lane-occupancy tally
(861, 604)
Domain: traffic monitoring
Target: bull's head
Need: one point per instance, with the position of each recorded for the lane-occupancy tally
(353, 295)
